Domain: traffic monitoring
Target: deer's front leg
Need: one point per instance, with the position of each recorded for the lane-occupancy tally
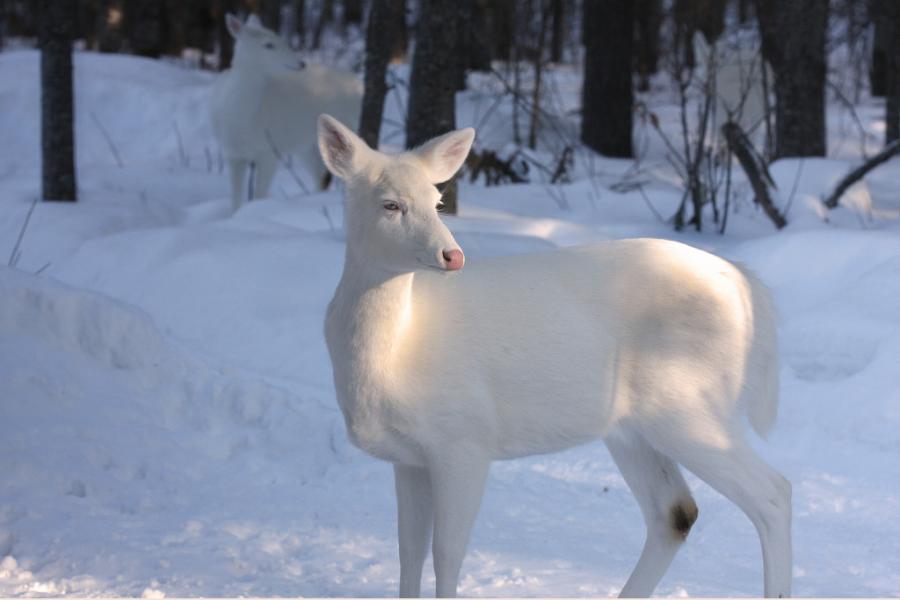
(457, 484)
(414, 522)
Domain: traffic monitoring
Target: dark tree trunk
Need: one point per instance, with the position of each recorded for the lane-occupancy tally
(380, 37)
(878, 70)
(648, 16)
(19, 18)
(223, 39)
(85, 22)
(110, 26)
(326, 16)
(147, 27)
(177, 10)
(270, 13)
(432, 95)
(744, 11)
(474, 29)
(557, 32)
(892, 112)
(471, 51)
(705, 16)
(793, 41)
(400, 41)
(300, 21)
(353, 12)
(57, 108)
(607, 97)
(501, 17)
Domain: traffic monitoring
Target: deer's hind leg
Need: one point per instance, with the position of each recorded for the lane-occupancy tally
(738, 473)
(667, 506)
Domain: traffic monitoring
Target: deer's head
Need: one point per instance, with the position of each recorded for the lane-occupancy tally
(392, 203)
(261, 49)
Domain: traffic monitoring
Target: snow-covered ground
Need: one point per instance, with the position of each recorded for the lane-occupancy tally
(167, 418)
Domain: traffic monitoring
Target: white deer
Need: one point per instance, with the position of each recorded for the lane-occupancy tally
(737, 76)
(651, 345)
(265, 106)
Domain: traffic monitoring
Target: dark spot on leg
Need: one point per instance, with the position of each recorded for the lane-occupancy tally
(682, 517)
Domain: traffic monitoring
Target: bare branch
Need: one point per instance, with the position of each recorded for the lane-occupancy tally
(858, 173)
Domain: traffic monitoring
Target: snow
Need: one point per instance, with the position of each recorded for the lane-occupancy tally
(168, 425)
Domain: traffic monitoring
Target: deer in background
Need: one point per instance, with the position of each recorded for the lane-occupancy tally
(651, 345)
(265, 107)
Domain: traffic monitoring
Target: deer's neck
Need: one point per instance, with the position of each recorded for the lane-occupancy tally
(367, 324)
(248, 87)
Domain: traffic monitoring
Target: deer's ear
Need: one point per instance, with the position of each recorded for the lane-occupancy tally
(343, 152)
(234, 25)
(444, 155)
(253, 22)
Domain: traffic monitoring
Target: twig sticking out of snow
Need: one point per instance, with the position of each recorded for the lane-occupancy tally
(182, 154)
(859, 172)
(16, 253)
(109, 141)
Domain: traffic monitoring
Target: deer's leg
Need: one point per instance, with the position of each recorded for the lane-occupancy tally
(739, 474)
(457, 483)
(237, 171)
(414, 523)
(666, 503)
(266, 165)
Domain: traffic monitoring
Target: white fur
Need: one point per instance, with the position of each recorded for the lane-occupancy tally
(269, 100)
(654, 346)
(736, 78)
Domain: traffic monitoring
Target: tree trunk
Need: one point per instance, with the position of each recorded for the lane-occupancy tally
(176, 37)
(607, 97)
(793, 41)
(892, 112)
(400, 41)
(557, 35)
(146, 27)
(353, 12)
(432, 95)
(706, 16)
(380, 37)
(878, 70)
(270, 13)
(501, 17)
(110, 26)
(223, 38)
(326, 15)
(648, 17)
(300, 21)
(57, 109)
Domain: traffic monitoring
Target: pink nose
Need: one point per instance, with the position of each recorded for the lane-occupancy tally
(454, 259)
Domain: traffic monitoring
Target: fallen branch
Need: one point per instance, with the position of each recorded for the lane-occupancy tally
(755, 168)
(859, 172)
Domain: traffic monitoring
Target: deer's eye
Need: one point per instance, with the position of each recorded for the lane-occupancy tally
(391, 206)
(269, 46)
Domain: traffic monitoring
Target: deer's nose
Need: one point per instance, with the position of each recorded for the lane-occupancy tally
(454, 259)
